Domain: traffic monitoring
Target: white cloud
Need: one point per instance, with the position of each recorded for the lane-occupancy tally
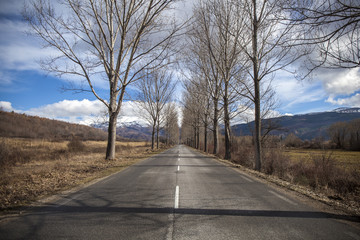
(353, 101)
(84, 111)
(6, 106)
(341, 82)
(291, 91)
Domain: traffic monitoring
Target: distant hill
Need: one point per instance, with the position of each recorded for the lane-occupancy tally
(21, 125)
(305, 126)
(134, 131)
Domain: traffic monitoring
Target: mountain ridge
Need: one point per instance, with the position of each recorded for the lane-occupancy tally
(305, 126)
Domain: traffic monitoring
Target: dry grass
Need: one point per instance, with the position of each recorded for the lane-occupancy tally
(349, 160)
(32, 169)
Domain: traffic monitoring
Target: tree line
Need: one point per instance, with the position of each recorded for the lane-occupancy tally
(229, 51)
(345, 135)
(237, 47)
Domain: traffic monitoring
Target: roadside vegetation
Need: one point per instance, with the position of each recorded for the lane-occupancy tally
(31, 169)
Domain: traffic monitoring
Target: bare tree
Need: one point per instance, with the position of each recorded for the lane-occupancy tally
(226, 54)
(197, 101)
(104, 39)
(215, 54)
(330, 29)
(156, 90)
(191, 117)
(267, 42)
(171, 124)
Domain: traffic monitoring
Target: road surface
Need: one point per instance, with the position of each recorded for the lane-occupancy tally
(179, 194)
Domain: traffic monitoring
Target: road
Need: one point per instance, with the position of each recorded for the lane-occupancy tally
(179, 194)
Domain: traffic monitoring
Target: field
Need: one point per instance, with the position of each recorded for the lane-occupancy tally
(349, 160)
(33, 169)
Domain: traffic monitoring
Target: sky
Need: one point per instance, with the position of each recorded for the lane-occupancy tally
(26, 88)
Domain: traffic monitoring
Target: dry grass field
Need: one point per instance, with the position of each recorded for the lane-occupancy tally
(31, 169)
(349, 160)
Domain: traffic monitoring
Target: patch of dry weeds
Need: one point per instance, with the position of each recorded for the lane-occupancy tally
(47, 168)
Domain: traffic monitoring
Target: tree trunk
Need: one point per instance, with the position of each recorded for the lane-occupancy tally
(257, 128)
(157, 137)
(227, 127)
(256, 80)
(110, 149)
(205, 133)
(153, 137)
(227, 138)
(216, 127)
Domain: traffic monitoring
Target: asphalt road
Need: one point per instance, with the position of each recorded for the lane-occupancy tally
(179, 194)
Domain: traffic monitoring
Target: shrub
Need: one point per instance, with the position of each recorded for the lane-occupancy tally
(292, 141)
(323, 168)
(243, 151)
(76, 145)
(275, 162)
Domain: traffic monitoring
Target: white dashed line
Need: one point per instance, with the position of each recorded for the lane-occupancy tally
(247, 179)
(283, 198)
(176, 205)
(178, 168)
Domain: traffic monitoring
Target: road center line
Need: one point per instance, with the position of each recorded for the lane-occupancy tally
(283, 198)
(178, 168)
(176, 205)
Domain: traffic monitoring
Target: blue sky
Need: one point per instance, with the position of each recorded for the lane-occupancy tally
(25, 88)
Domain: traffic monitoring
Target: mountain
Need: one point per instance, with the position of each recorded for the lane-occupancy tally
(305, 126)
(134, 131)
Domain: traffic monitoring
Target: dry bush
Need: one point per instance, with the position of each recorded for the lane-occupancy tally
(76, 145)
(322, 173)
(292, 141)
(323, 169)
(345, 182)
(243, 151)
(12, 154)
(275, 162)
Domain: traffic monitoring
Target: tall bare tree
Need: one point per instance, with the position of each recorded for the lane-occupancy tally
(104, 39)
(171, 124)
(267, 41)
(156, 90)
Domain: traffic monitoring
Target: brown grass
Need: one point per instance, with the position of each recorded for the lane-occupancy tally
(343, 159)
(32, 169)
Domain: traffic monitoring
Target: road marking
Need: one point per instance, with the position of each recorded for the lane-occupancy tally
(247, 179)
(67, 200)
(284, 198)
(178, 168)
(179, 159)
(353, 235)
(176, 205)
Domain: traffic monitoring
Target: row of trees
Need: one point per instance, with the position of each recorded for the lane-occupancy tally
(345, 135)
(156, 91)
(236, 47)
